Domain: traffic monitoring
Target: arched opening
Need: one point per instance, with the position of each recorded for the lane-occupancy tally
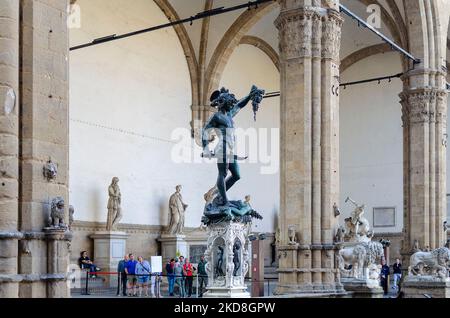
(127, 98)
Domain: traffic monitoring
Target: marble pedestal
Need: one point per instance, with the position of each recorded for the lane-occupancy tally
(109, 249)
(222, 256)
(358, 288)
(173, 244)
(424, 287)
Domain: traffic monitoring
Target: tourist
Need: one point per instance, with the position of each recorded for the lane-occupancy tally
(202, 275)
(397, 273)
(85, 262)
(170, 275)
(143, 272)
(130, 270)
(182, 261)
(178, 272)
(384, 275)
(122, 276)
(188, 270)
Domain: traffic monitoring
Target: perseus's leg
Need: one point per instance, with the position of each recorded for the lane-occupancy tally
(222, 168)
(235, 174)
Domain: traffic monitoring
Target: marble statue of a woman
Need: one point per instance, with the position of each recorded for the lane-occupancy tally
(177, 208)
(114, 209)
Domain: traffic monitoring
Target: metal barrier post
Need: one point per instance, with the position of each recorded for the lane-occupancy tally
(119, 279)
(157, 286)
(86, 292)
(196, 281)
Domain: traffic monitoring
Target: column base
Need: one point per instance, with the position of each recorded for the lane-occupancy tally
(358, 288)
(310, 291)
(232, 292)
(173, 245)
(425, 287)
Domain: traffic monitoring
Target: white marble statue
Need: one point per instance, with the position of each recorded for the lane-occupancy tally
(114, 205)
(292, 234)
(434, 264)
(359, 258)
(177, 208)
(357, 227)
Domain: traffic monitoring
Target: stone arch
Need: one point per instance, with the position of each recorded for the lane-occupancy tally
(186, 44)
(229, 42)
(263, 46)
(362, 54)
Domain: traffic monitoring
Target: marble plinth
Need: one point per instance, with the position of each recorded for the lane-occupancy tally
(359, 288)
(426, 287)
(109, 249)
(227, 248)
(173, 245)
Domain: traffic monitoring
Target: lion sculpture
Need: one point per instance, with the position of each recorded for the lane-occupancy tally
(360, 256)
(56, 219)
(435, 263)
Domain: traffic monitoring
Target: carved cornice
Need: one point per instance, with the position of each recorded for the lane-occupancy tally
(295, 33)
(425, 105)
(309, 32)
(331, 38)
(87, 226)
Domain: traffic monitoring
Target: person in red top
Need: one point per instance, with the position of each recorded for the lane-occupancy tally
(188, 270)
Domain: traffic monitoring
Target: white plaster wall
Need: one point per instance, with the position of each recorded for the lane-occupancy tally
(126, 98)
(371, 144)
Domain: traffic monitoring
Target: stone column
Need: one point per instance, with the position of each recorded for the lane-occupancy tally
(424, 107)
(309, 54)
(9, 146)
(44, 135)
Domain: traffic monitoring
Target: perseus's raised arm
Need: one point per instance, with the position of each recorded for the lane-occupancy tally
(244, 101)
(241, 104)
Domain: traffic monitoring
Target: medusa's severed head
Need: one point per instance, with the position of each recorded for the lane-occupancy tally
(223, 99)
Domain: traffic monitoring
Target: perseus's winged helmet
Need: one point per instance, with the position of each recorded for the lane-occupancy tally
(222, 96)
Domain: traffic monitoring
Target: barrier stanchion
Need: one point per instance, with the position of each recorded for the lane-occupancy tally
(196, 289)
(86, 292)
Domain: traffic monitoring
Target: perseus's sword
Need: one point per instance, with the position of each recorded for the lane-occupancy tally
(213, 155)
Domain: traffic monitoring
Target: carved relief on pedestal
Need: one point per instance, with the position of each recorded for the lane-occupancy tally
(226, 255)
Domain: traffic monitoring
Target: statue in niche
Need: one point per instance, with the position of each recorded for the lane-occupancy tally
(416, 247)
(57, 211)
(221, 123)
(219, 264)
(236, 259)
(177, 208)
(292, 234)
(114, 205)
(339, 238)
